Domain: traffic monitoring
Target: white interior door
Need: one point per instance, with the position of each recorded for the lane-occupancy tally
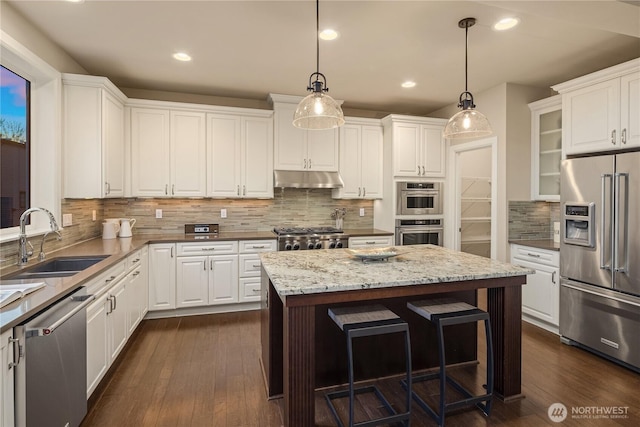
(474, 198)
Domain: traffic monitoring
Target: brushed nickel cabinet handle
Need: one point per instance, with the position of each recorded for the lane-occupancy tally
(166, 189)
(613, 137)
(623, 137)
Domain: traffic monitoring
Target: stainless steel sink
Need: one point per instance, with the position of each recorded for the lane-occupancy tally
(57, 267)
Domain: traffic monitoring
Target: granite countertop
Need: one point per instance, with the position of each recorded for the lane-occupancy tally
(547, 244)
(310, 272)
(117, 249)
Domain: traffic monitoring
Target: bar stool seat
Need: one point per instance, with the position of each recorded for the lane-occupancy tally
(444, 312)
(362, 321)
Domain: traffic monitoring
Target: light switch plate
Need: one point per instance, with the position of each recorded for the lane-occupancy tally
(223, 213)
(158, 213)
(361, 211)
(67, 220)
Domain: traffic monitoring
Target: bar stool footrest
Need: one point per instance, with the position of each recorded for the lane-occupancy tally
(394, 417)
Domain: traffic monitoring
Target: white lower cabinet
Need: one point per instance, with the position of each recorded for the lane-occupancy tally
(362, 242)
(540, 296)
(216, 273)
(118, 309)
(6, 371)
(162, 276)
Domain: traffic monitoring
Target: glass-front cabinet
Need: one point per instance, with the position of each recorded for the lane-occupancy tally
(546, 148)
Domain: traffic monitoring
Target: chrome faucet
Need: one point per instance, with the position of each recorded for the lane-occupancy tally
(23, 252)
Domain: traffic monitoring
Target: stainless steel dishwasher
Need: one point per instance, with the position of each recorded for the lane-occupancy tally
(51, 365)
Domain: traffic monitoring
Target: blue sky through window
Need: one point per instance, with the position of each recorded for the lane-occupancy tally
(13, 100)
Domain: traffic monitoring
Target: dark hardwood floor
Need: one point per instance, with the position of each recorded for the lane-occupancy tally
(205, 371)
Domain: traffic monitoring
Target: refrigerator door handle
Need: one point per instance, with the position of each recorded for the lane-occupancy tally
(619, 194)
(603, 204)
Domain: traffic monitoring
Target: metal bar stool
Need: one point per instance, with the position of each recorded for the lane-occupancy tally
(365, 321)
(444, 312)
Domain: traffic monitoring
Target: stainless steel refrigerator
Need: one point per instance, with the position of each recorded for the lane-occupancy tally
(600, 255)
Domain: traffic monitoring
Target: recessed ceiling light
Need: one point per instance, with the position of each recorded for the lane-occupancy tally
(408, 83)
(506, 24)
(181, 56)
(328, 34)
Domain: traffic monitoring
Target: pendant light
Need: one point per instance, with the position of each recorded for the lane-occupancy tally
(469, 122)
(318, 110)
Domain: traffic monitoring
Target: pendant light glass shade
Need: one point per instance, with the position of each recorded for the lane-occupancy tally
(318, 110)
(468, 123)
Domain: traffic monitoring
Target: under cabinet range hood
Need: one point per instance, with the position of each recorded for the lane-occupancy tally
(306, 179)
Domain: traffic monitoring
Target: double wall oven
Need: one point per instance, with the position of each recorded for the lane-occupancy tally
(419, 213)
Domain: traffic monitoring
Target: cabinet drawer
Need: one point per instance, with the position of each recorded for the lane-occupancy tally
(250, 289)
(255, 246)
(540, 256)
(208, 248)
(134, 259)
(107, 278)
(249, 265)
(370, 241)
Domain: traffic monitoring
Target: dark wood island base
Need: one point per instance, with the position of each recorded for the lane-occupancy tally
(300, 350)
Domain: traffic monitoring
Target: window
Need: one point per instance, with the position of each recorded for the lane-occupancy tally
(44, 128)
(15, 147)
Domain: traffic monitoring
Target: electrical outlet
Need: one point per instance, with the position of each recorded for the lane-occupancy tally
(67, 220)
(361, 211)
(93, 215)
(158, 213)
(223, 213)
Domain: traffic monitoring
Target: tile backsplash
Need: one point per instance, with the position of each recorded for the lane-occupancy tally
(531, 220)
(289, 207)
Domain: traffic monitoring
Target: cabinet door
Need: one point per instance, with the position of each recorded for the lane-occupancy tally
(371, 162)
(112, 145)
(406, 149)
(350, 158)
(162, 277)
(134, 282)
(257, 157)
(540, 296)
(591, 118)
(322, 150)
(150, 152)
(630, 110)
(192, 288)
(223, 145)
(223, 279)
(97, 353)
(82, 145)
(117, 319)
(188, 158)
(6, 385)
(433, 151)
(290, 141)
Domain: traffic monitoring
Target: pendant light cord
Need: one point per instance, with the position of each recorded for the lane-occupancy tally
(466, 56)
(317, 36)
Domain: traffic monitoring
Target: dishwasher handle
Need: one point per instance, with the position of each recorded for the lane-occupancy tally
(85, 300)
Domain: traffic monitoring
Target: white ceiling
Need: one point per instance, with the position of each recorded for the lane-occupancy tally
(247, 49)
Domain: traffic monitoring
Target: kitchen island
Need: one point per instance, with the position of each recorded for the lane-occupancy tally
(297, 288)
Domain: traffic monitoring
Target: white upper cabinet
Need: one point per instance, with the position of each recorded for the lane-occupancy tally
(418, 146)
(240, 155)
(300, 149)
(601, 111)
(168, 153)
(360, 159)
(546, 148)
(93, 142)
